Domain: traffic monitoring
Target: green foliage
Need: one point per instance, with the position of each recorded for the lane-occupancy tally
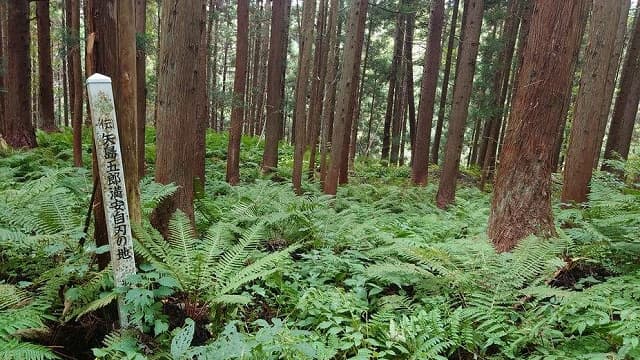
(377, 272)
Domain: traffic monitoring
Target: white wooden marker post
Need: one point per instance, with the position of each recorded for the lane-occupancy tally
(114, 193)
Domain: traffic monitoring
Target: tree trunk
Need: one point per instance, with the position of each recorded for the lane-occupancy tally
(612, 77)
(182, 26)
(126, 100)
(237, 113)
(328, 111)
(522, 197)
(393, 81)
(212, 70)
(461, 96)
(346, 88)
(420, 166)
(202, 111)
(502, 75)
(141, 86)
(45, 72)
(435, 148)
(275, 85)
(3, 34)
(353, 99)
(399, 95)
(626, 107)
(76, 83)
(300, 120)
(591, 100)
(19, 132)
(318, 85)
(411, 102)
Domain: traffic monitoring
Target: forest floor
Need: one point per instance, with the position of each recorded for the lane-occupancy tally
(378, 272)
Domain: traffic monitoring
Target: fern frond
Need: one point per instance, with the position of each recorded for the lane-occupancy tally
(15, 349)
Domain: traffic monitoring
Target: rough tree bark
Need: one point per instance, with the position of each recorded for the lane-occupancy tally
(616, 58)
(275, 85)
(141, 86)
(3, 63)
(503, 73)
(202, 111)
(522, 197)
(45, 72)
(435, 148)
(302, 84)
(328, 111)
(591, 100)
(461, 96)
(237, 112)
(75, 78)
(393, 80)
(399, 102)
(626, 107)
(318, 85)
(19, 132)
(347, 87)
(420, 155)
(182, 26)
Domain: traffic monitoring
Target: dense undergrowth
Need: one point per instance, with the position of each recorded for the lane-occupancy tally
(376, 273)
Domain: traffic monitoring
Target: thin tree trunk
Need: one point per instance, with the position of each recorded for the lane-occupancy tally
(330, 80)
(626, 107)
(75, 78)
(202, 111)
(393, 81)
(19, 131)
(141, 86)
(302, 85)
(3, 51)
(522, 197)
(435, 148)
(420, 165)
(126, 100)
(223, 94)
(461, 96)
(411, 102)
(45, 71)
(318, 85)
(275, 85)
(503, 73)
(237, 113)
(347, 88)
(614, 72)
(353, 96)
(360, 96)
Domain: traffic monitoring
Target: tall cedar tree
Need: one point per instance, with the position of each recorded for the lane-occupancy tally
(275, 84)
(626, 107)
(461, 96)
(18, 129)
(353, 102)
(500, 88)
(399, 96)
(182, 25)
(302, 85)
(141, 87)
(522, 197)
(45, 72)
(346, 89)
(420, 155)
(328, 111)
(435, 148)
(591, 100)
(202, 111)
(616, 56)
(76, 89)
(393, 80)
(3, 33)
(318, 83)
(239, 83)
